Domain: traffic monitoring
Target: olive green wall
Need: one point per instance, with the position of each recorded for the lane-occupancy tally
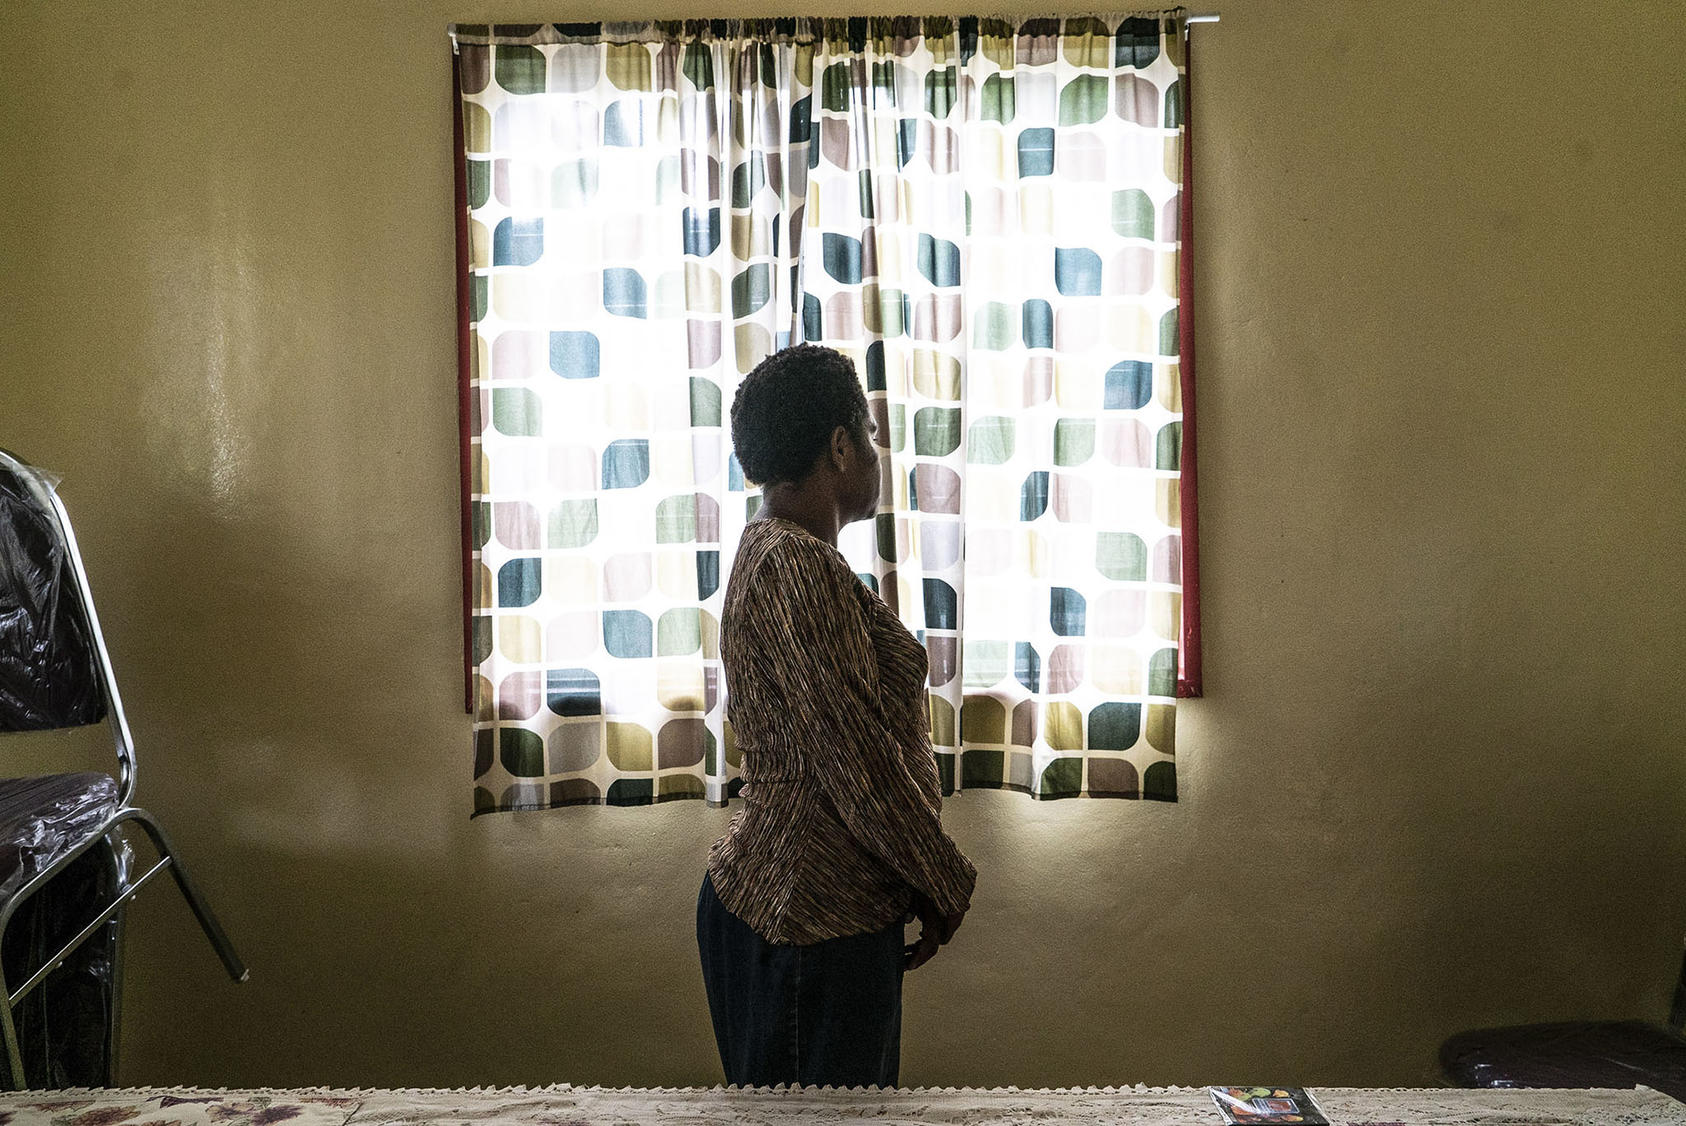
(1438, 781)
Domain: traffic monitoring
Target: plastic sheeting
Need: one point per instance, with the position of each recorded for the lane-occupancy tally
(65, 1025)
(1576, 1054)
(43, 818)
(49, 678)
(48, 669)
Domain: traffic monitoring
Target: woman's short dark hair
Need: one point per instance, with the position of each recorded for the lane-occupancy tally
(787, 408)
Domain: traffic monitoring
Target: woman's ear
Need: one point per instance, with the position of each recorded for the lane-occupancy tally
(841, 444)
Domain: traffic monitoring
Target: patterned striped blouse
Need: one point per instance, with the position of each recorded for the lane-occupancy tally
(841, 802)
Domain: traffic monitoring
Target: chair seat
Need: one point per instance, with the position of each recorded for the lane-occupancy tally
(1574, 1054)
(43, 818)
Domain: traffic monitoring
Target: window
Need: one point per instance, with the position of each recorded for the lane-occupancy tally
(987, 217)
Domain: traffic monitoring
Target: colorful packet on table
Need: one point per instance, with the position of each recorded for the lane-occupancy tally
(1268, 1105)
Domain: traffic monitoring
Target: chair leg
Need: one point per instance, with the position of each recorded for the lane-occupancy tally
(116, 850)
(201, 910)
(14, 1053)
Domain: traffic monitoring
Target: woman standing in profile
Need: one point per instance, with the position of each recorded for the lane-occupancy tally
(839, 842)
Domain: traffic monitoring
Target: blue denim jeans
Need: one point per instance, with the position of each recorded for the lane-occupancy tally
(829, 1013)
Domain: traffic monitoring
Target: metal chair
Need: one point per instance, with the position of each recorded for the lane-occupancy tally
(50, 641)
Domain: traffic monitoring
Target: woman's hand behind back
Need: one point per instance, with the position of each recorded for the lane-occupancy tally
(935, 930)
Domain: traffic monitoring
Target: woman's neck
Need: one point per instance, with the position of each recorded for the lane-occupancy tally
(815, 514)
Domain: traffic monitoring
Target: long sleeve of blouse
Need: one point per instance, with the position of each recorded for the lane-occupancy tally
(826, 696)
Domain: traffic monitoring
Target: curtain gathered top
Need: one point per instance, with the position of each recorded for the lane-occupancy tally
(797, 29)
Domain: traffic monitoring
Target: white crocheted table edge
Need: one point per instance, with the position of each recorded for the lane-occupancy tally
(785, 1090)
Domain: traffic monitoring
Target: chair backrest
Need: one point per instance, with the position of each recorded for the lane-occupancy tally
(54, 668)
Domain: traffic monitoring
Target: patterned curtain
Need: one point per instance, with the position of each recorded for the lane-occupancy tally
(985, 216)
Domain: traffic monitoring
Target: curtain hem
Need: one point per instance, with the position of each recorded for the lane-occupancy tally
(1142, 794)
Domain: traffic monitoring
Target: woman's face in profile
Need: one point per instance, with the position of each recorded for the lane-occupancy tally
(865, 479)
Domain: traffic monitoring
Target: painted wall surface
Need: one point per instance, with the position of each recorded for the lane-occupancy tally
(1439, 780)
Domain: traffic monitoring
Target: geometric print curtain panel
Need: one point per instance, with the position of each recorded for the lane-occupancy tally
(984, 215)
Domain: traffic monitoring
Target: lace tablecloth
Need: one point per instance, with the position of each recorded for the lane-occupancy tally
(598, 1106)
